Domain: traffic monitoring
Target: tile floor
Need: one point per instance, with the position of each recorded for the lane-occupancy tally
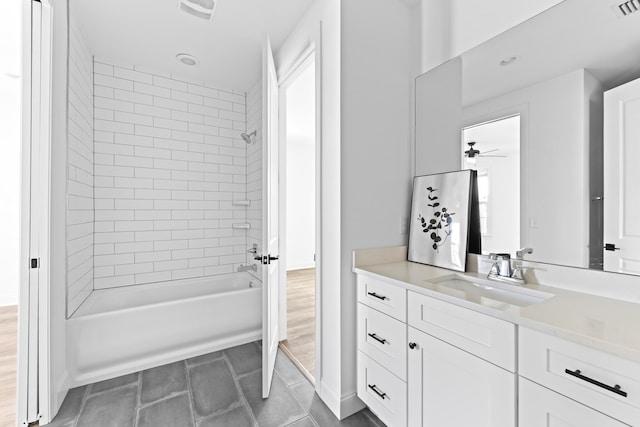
(221, 389)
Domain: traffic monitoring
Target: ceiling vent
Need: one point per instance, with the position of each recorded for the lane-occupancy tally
(626, 8)
(202, 9)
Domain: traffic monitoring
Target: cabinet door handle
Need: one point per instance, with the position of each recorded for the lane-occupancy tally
(375, 295)
(412, 345)
(615, 389)
(377, 338)
(379, 393)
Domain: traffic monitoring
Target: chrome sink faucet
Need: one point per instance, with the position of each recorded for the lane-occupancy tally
(501, 270)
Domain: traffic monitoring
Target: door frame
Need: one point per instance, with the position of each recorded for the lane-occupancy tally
(34, 397)
(311, 55)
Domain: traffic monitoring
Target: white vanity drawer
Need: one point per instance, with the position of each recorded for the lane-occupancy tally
(541, 407)
(384, 339)
(483, 336)
(385, 297)
(581, 373)
(384, 393)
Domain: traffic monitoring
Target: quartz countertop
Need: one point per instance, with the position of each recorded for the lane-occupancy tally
(606, 324)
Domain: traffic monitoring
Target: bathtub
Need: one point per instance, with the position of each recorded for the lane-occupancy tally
(124, 330)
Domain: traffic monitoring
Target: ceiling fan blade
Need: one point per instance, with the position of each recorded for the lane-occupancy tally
(482, 155)
(490, 151)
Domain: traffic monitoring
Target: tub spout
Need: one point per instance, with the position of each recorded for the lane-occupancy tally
(252, 267)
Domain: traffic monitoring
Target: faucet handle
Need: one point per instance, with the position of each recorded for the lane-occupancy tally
(518, 272)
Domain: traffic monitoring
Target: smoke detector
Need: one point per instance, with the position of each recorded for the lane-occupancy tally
(626, 8)
(202, 9)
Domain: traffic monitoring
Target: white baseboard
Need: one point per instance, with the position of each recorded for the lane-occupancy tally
(342, 407)
(350, 404)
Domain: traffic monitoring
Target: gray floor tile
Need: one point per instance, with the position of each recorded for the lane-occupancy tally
(305, 422)
(322, 414)
(287, 370)
(280, 409)
(245, 358)
(113, 408)
(209, 357)
(70, 408)
(213, 388)
(162, 381)
(374, 418)
(312, 403)
(237, 417)
(114, 382)
(172, 412)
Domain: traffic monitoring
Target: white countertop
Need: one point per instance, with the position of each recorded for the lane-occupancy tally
(603, 323)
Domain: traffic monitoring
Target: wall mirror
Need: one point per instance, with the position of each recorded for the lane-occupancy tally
(528, 110)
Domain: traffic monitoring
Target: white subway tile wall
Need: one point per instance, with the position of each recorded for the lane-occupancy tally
(169, 161)
(254, 169)
(80, 179)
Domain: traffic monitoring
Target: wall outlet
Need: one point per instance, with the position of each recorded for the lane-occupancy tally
(404, 225)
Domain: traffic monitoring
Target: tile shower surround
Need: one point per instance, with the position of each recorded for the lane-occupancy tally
(79, 169)
(218, 389)
(168, 163)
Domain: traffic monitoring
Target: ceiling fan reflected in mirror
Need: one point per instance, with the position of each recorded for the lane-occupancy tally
(473, 153)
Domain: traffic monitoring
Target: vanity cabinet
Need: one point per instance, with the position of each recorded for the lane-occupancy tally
(427, 362)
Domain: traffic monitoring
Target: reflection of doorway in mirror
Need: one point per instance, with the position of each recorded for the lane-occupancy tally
(484, 184)
(493, 149)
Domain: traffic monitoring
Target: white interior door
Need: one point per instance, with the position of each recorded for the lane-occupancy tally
(270, 241)
(621, 178)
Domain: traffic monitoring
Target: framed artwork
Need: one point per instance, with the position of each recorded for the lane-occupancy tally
(441, 219)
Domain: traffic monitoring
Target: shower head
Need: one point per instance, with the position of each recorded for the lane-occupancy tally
(248, 138)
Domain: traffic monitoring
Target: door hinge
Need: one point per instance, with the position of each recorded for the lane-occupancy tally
(35, 262)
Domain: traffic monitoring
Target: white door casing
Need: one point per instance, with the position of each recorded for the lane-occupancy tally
(34, 387)
(270, 204)
(621, 177)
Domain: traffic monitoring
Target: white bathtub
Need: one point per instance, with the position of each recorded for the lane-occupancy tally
(123, 330)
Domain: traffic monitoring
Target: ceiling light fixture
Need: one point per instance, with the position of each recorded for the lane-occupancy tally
(203, 9)
(508, 61)
(187, 59)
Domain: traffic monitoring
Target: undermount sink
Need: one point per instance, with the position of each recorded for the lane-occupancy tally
(489, 293)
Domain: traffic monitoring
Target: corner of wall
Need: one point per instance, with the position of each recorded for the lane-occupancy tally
(80, 176)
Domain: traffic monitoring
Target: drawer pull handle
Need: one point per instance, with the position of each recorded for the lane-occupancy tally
(377, 338)
(375, 295)
(615, 389)
(379, 393)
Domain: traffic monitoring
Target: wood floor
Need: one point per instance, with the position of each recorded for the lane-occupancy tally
(301, 316)
(8, 350)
